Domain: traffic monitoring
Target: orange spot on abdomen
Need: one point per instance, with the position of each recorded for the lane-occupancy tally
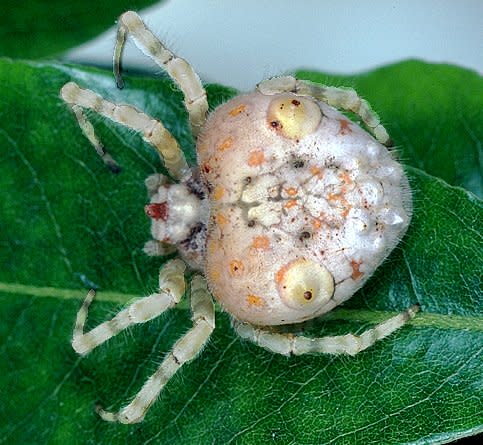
(334, 197)
(316, 224)
(261, 242)
(236, 267)
(226, 143)
(218, 193)
(344, 127)
(356, 273)
(237, 110)
(290, 203)
(255, 300)
(221, 219)
(340, 197)
(316, 171)
(281, 273)
(256, 158)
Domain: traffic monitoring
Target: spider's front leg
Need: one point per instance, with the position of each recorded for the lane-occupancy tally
(171, 289)
(183, 351)
(292, 344)
(178, 69)
(152, 130)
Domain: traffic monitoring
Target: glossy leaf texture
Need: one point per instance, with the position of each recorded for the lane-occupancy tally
(433, 113)
(68, 224)
(35, 29)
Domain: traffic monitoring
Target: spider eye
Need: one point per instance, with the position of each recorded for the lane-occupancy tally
(304, 284)
(293, 116)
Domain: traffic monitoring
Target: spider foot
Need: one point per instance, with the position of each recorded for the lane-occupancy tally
(125, 415)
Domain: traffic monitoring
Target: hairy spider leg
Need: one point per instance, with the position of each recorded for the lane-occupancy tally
(292, 344)
(152, 130)
(178, 69)
(344, 98)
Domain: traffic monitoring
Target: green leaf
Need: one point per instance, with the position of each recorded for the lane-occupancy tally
(434, 113)
(35, 30)
(67, 224)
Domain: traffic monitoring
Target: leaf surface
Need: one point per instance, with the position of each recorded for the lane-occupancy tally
(34, 29)
(68, 224)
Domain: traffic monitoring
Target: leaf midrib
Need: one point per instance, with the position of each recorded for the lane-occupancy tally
(422, 319)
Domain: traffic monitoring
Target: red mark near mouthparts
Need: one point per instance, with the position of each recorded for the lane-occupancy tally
(157, 210)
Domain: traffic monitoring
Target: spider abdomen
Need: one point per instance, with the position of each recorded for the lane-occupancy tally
(304, 206)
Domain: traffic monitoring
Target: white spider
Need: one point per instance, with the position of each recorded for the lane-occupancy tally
(290, 211)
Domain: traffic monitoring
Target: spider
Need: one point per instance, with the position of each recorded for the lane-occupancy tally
(290, 210)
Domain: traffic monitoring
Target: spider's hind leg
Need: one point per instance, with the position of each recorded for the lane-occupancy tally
(292, 344)
(171, 289)
(183, 351)
(343, 98)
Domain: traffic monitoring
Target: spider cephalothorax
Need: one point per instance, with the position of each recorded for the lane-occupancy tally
(290, 210)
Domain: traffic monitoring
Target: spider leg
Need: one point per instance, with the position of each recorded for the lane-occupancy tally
(290, 344)
(152, 130)
(172, 288)
(184, 350)
(177, 68)
(157, 248)
(343, 98)
(89, 132)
